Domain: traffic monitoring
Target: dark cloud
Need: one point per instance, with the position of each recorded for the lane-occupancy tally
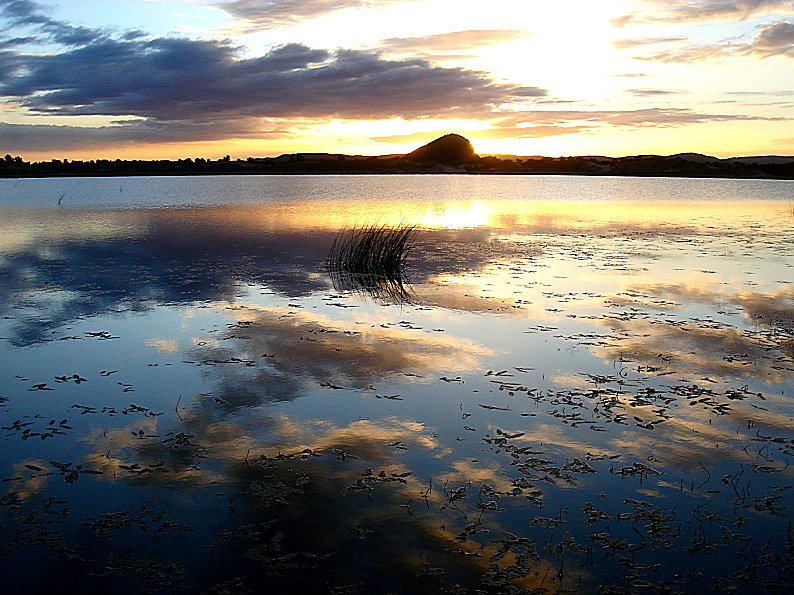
(680, 11)
(22, 12)
(693, 53)
(544, 123)
(452, 41)
(292, 57)
(25, 13)
(179, 89)
(177, 79)
(630, 118)
(24, 138)
(269, 13)
(541, 123)
(16, 41)
(776, 39)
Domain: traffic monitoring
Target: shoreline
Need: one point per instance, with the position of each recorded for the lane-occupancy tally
(176, 173)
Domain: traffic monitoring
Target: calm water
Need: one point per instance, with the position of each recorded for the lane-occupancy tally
(585, 386)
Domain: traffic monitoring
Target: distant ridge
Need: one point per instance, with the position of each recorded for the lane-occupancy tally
(449, 154)
(450, 149)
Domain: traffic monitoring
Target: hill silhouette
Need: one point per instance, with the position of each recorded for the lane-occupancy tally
(451, 153)
(450, 149)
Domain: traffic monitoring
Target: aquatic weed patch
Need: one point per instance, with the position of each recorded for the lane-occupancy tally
(373, 259)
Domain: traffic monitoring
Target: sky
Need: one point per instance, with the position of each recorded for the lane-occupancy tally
(167, 79)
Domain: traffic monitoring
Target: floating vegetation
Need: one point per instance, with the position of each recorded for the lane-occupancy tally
(372, 260)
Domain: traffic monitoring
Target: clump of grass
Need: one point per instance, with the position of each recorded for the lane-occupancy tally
(372, 258)
(373, 250)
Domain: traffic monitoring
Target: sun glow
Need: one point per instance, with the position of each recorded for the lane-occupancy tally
(572, 77)
(456, 217)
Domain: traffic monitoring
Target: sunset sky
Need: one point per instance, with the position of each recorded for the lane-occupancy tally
(187, 78)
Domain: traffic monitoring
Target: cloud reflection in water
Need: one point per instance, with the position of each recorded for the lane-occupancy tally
(541, 392)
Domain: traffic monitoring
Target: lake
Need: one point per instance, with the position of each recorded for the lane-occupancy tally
(575, 384)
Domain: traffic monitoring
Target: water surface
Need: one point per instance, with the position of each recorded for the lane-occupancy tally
(586, 386)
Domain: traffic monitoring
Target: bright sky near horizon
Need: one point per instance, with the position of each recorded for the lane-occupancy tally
(187, 78)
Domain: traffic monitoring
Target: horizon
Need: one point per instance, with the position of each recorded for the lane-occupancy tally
(178, 79)
(385, 155)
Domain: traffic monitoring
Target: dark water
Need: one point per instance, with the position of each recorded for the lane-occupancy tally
(586, 386)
